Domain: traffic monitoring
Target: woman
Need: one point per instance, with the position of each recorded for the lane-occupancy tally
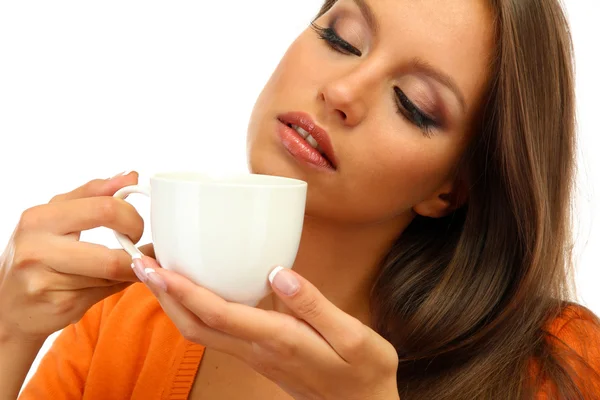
(434, 259)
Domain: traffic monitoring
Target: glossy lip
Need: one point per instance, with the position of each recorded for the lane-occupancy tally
(299, 148)
(305, 122)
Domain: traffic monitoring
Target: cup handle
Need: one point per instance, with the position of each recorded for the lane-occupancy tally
(124, 241)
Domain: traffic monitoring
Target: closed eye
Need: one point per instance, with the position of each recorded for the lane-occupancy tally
(335, 41)
(405, 106)
(411, 112)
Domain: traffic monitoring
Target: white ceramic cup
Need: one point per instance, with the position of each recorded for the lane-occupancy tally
(225, 234)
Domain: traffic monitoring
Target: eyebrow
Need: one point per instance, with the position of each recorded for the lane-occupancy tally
(429, 71)
(368, 15)
(419, 65)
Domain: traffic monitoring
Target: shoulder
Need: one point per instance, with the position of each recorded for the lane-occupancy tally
(119, 340)
(574, 337)
(132, 308)
(574, 325)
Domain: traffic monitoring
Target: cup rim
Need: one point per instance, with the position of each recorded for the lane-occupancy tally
(237, 179)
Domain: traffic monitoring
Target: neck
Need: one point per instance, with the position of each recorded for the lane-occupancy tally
(342, 261)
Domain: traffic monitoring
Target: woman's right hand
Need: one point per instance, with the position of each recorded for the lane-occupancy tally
(48, 278)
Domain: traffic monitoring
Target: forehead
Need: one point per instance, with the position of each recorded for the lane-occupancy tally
(453, 36)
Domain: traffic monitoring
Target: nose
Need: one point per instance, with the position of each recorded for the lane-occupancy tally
(345, 100)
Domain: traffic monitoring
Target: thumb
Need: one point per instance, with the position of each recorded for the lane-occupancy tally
(343, 332)
(300, 296)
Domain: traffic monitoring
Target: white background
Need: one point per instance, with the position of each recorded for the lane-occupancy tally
(89, 89)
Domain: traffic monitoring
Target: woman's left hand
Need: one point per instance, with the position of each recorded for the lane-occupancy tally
(324, 353)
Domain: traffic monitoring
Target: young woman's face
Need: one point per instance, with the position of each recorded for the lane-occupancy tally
(395, 86)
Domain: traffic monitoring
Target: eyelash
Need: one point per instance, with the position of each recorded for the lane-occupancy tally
(410, 111)
(406, 108)
(335, 41)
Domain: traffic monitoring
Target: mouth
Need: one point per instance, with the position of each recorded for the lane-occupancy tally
(310, 133)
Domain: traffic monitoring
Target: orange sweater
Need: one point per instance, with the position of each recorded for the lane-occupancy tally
(126, 348)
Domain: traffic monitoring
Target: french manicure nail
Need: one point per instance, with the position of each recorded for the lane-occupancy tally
(155, 279)
(284, 281)
(124, 173)
(139, 272)
(138, 267)
(273, 273)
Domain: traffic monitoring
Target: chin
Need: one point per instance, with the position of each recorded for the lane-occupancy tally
(266, 156)
(270, 162)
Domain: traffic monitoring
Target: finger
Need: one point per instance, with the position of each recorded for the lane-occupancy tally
(100, 293)
(99, 187)
(268, 337)
(347, 335)
(194, 330)
(80, 258)
(59, 282)
(77, 215)
(238, 320)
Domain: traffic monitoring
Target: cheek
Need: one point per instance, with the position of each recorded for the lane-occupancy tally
(388, 167)
(285, 79)
(293, 85)
(392, 173)
(297, 77)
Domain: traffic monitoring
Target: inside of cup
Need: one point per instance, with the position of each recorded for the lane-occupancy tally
(237, 180)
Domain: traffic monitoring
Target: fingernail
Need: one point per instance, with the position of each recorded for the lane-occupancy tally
(124, 173)
(139, 271)
(155, 279)
(284, 281)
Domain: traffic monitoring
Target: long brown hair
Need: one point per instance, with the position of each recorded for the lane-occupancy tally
(466, 299)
